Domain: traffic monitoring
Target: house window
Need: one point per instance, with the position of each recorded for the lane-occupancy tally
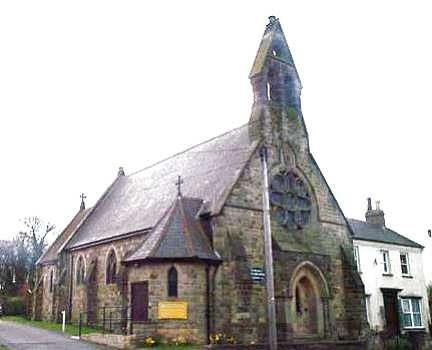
(404, 264)
(357, 257)
(385, 261)
(80, 271)
(172, 282)
(51, 281)
(111, 268)
(367, 305)
(411, 311)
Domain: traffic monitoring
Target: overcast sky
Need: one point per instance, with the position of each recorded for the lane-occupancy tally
(87, 86)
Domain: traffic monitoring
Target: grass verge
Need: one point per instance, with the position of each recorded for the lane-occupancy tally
(51, 326)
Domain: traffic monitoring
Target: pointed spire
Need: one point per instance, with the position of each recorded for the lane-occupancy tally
(121, 171)
(273, 45)
(83, 197)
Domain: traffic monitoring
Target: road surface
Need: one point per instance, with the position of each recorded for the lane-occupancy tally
(22, 337)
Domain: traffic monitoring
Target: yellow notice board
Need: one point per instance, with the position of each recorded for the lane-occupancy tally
(177, 310)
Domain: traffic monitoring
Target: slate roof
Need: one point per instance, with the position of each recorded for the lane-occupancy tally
(179, 234)
(50, 255)
(136, 202)
(371, 232)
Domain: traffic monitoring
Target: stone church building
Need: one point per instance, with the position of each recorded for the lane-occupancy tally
(189, 259)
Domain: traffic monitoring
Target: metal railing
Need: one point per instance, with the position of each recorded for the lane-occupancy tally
(109, 320)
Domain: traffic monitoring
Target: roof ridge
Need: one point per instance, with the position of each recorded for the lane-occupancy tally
(187, 150)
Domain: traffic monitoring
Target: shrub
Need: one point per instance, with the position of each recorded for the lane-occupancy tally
(222, 338)
(150, 342)
(180, 340)
(14, 306)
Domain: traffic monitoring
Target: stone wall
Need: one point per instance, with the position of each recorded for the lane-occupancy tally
(109, 295)
(240, 307)
(48, 310)
(191, 289)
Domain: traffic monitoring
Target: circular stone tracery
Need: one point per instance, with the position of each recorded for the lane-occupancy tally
(291, 200)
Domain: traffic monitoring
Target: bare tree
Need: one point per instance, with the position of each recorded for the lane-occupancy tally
(33, 239)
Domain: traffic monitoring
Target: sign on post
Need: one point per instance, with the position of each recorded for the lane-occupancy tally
(257, 274)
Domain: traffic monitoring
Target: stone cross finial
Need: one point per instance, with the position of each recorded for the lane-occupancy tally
(82, 196)
(178, 184)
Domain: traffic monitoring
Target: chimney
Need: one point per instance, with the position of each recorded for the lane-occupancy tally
(374, 216)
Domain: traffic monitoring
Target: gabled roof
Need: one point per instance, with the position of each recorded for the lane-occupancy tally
(178, 235)
(136, 202)
(51, 254)
(371, 232)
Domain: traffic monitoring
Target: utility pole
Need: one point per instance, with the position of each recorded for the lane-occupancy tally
(271, 309)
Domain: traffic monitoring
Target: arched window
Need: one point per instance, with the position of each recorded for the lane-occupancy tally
(80, 271)
(111, 268)
(172, 282)
(51, 281)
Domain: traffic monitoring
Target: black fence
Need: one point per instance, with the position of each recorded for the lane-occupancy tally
(112, 320)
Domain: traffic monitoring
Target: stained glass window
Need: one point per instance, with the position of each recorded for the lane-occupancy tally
(111, 268)
(291, 200)
(172, 282)
(80, 271)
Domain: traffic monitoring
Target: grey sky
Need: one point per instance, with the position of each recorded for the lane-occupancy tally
(87, 86)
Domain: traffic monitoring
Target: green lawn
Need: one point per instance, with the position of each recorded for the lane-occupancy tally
(52, 326)
(73, 330)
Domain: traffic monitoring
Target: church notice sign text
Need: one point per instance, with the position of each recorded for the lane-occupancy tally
(172, 310)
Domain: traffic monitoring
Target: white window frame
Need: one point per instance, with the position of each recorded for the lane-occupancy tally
(357, 257)
(409, 311)
(385, 261)
(407, 264)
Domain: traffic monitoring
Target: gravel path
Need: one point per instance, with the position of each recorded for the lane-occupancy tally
(20, 337)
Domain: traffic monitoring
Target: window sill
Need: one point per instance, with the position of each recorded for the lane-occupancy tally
(387, 274)
(414, 329)
(407, 276)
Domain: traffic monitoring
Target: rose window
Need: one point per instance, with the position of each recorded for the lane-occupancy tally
(291, 200)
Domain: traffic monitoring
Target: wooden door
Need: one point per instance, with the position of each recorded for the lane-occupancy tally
(139, 292)
(391, 312)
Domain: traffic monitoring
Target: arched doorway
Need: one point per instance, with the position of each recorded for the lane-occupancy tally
(309, 293)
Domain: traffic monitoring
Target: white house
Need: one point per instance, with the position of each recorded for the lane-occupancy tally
(391, 268)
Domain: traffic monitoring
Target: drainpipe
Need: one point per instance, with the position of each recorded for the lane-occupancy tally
(207, 312)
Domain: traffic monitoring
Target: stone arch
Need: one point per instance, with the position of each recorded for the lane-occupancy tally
(309, 293)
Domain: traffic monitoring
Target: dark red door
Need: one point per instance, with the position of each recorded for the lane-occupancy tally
(139, 292)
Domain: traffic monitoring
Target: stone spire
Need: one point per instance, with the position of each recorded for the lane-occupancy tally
(374, 216)
(276, 111)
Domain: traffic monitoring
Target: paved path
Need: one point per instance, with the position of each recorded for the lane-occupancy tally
(21, 337)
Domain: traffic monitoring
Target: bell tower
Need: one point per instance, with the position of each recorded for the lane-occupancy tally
(276, 112)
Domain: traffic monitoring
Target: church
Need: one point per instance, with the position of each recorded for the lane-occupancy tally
(177, 249)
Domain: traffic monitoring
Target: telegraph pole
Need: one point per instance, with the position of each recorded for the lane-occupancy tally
(271, 309)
